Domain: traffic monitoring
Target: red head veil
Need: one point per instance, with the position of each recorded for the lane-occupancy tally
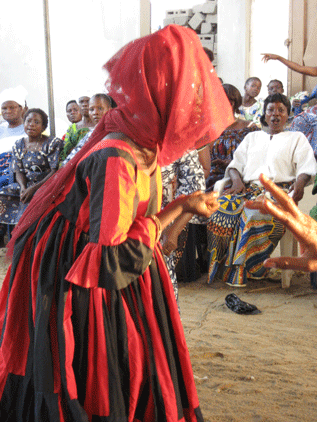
(167, 92)
(168, 95)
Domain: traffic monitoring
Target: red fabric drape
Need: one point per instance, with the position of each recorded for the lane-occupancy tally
(168, 95)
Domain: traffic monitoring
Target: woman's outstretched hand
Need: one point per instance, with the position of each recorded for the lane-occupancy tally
(301, 225)
(267, 56)
(201, 203)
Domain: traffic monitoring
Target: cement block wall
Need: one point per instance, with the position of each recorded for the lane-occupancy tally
(202, 18)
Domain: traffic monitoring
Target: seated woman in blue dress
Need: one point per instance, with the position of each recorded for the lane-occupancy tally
(34, 160)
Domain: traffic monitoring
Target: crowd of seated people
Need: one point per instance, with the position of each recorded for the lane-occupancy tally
(98, 105)
(221, 151)
(239, 239)
(35, 159)
(28, 156)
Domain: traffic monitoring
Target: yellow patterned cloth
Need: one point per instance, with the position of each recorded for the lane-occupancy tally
(240, 239)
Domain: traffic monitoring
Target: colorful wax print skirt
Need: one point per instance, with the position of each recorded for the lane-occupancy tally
(241, 239)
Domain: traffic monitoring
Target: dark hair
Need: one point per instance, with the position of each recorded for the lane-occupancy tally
(39, 111)
(106, 98)
(275, 98)
(71, 102)
(252, 78)
(210, 54)
(233, 95)
(276, 80)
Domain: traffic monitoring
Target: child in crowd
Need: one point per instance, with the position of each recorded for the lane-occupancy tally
(276, 86)
(252, 108)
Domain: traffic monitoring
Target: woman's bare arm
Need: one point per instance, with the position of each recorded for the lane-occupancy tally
(304, 70)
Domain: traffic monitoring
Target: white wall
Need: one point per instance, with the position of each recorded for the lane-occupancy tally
(233, 41)
(269, 30)
(84, 35)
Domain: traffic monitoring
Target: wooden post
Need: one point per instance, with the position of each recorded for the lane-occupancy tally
(49, 78)
(298, 43)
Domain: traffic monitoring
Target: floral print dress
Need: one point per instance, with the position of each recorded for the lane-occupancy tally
(36, 165)
(182, 177)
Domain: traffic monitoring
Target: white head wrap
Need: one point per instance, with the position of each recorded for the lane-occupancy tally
(17, 94)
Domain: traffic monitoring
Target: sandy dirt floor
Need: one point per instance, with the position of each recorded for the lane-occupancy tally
(251, 368)
(254, 368)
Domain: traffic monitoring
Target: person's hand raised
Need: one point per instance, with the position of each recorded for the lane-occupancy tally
(267, 56)
(301, 225)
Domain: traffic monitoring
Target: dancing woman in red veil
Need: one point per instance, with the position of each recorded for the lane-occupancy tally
(90, 326)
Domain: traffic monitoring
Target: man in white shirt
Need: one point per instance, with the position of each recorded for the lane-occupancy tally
(12, 101)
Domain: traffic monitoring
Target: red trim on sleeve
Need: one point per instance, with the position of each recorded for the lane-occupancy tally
(85, 270)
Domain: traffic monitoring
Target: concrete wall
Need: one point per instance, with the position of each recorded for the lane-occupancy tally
(233, 41)
(145, 13)
(84, 35)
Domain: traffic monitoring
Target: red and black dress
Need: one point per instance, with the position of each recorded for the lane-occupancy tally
(90, 326)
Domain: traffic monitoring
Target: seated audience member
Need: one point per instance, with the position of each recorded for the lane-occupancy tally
(99, 104)
(306, 122)
(86, 121)
(12, 108)
(73, 112)
(78, 130)
(74, 116)
(251, 108)
(35, 159)
(275, 87)
(221, 151)
(240, 239)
